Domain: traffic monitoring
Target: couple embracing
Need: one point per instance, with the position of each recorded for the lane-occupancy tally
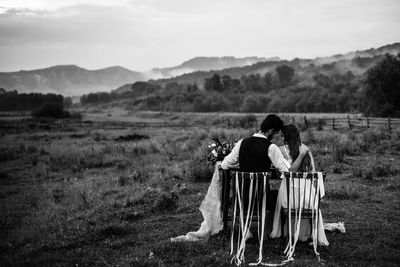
(259, 153)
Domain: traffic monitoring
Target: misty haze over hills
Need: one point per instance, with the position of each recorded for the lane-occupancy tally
(205, 64)
(72, 80)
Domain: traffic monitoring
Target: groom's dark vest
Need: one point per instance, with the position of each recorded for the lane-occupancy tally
(253, 157)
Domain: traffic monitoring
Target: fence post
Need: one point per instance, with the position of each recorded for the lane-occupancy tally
(367, 122)
(333, 124)
(306, 122)
(389, 125)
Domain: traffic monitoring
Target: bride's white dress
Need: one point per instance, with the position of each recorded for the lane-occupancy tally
(305, 227)
(210, 208)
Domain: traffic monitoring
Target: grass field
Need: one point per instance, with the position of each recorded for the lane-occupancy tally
(114, 197)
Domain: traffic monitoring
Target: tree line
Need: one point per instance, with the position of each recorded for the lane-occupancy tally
(376, 93)
(13, 101)
(40, 105)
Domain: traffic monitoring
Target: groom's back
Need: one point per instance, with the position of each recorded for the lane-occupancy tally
(253, 155)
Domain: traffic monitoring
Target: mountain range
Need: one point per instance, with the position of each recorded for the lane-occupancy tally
(72, 80)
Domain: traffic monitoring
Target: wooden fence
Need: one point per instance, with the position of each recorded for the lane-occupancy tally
(357, 122)
(308, 122)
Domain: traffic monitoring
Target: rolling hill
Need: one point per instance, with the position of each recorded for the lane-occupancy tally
(68, 80)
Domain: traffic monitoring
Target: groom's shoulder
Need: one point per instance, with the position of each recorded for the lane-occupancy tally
(256, 141)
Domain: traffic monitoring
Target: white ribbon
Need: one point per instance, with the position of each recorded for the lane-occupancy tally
(245, 226)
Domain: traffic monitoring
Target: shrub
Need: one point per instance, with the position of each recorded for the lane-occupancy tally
(22, 148)
(166, 201)
(375, 169)
(343, 148)
(7, 154)
(369, 175)
(43, 152)
(58, 194)
(135, 176)
(51, 110)
(31, 149)
(309, 137)
(380, 169)
(371, 139)
(199, 170)
(357, 172)
(338, 153)
(123, 180)
(337, 169)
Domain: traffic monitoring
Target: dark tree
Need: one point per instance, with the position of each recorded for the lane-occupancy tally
(285, 74)
(227, 83)
(268, 82)
(253, 82)
(382, 93)
(323, 80)
(192, 88)
(214, 83)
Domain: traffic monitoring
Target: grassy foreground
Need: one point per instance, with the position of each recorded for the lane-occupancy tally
(97, 197)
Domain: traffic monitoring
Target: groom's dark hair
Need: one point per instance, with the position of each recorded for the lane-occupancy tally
(271, 122)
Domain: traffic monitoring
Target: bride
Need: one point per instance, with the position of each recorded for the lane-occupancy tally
(290, 151)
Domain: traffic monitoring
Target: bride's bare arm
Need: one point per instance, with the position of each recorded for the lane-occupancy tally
(312, 161)
(296, 164)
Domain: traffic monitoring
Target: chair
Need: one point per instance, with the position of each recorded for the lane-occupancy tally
(228, 189)
(303, 195)
(250, 193)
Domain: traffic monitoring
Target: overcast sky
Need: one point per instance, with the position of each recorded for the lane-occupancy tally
(142, 34)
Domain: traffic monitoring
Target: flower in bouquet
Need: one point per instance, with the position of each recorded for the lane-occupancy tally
(218, 149)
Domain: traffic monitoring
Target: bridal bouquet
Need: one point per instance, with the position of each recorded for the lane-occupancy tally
(218, 149)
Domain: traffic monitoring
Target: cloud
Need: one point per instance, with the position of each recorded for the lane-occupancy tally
(141, 34)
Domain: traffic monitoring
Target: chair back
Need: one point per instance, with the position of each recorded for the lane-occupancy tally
(303, 191)
(250, 187)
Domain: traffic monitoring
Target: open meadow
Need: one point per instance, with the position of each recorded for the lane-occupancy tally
(77, 194)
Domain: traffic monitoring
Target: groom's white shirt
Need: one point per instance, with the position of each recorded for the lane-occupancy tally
(231, 161)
